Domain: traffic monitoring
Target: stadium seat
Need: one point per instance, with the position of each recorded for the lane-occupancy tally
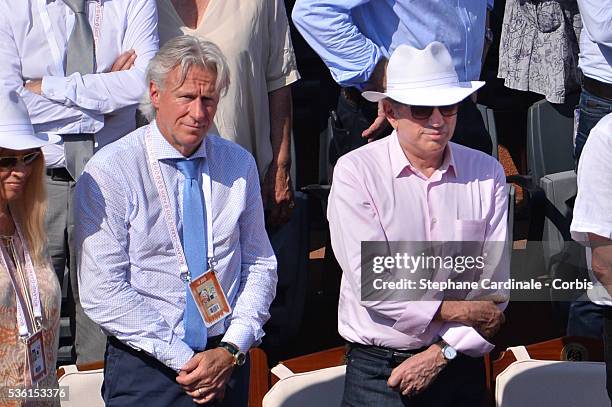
(84, 383)
(312, 380)
(561, 372)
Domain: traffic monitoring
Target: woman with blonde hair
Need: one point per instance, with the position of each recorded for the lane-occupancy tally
(30, 295)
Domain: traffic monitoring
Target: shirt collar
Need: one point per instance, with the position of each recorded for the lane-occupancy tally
(164, 150)
(399, 161)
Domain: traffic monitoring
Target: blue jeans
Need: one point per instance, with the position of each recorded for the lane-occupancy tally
(592, 109)
(460, 383)
(586, 319)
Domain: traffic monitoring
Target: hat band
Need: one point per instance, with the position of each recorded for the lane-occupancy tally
(425, 83)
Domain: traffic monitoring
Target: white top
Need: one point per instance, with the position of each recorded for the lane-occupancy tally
(254, 37)
(596, 39)
(33, 39)
(593, 207)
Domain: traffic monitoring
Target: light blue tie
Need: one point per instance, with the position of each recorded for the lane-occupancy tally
(194, 245)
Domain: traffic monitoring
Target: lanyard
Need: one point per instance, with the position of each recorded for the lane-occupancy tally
(34, 312)
(167, 209)
(52, 39)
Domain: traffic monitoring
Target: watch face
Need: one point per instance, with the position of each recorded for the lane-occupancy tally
(449, 352)
(240, 358)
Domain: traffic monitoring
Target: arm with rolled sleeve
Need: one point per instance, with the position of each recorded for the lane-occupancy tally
(101, 212)
(258, 273)
(328, 28)
(353, 219)
(466, 339)
(46, 115)
(107, 92)
(597, 19)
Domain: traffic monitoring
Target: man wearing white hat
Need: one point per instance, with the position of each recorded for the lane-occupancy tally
(417, 186)
(79, 66)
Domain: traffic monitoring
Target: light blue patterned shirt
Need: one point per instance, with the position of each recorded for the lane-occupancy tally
(129, 279)
(351, 36)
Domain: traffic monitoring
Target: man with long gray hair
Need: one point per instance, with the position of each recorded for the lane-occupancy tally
(176, 266)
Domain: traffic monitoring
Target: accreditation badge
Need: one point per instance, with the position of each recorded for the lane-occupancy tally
(210, 298)
(36, 357)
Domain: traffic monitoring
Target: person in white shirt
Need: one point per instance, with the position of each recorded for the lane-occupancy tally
(592, 222)
(595, 62)
(79, 66)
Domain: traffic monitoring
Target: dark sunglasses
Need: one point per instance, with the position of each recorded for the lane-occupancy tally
(424, 112)
(11, 162)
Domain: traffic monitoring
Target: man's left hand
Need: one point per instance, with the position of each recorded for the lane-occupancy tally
(34, 86)
(416, 373)
(205, 375)
(277, 194)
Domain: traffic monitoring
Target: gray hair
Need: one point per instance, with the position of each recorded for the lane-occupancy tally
(184, 51)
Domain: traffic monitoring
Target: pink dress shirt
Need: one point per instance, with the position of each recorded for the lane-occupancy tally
(377, 195)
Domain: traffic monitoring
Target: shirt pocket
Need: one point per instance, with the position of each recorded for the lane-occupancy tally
(470, 230)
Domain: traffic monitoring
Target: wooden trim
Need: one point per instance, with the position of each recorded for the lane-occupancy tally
(580, 349)
(98, 364)
(259, 382)
(314, 361)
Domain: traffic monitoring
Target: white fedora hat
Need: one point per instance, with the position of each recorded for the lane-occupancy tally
(16, 131)
(423, 77)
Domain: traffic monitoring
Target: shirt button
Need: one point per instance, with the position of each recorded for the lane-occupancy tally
(434, 221)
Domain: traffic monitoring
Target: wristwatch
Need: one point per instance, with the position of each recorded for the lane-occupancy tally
(239, 357)
(448, 351)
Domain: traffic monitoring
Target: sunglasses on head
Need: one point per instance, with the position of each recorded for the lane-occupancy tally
(11, 162)
(424, 112)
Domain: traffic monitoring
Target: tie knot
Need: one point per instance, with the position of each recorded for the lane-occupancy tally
(77, 6)
(189, 168)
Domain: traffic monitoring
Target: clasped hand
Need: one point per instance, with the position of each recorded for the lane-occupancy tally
(206, 374)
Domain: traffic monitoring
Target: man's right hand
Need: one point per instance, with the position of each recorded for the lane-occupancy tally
(206, 374)
(124, 61)
(484, 316)
(379, 125)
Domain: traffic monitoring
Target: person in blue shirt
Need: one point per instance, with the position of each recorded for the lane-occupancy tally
(169, 210)
(355, 38)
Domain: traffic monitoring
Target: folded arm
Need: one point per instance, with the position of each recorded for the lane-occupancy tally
(45, 114)
(106, 92)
